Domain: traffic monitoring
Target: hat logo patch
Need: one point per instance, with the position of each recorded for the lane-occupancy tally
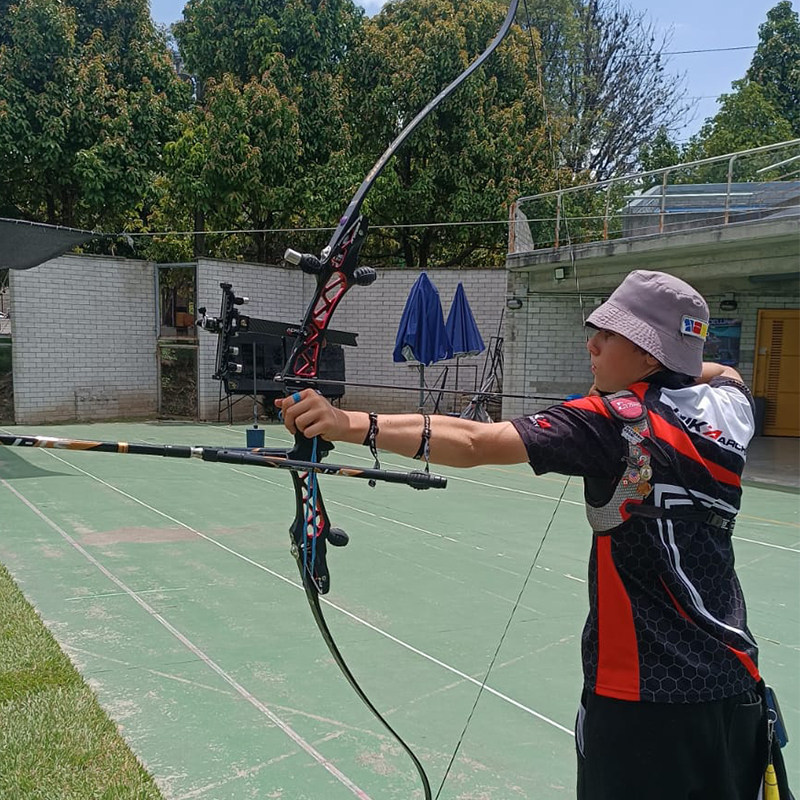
(694, 327)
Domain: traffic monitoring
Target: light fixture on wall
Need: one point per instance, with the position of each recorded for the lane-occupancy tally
(559, 273)
(513, 303)
(728, 303)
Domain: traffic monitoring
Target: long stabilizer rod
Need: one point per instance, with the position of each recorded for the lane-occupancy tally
(259, 457)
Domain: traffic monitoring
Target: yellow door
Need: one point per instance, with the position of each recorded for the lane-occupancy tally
(777, 370)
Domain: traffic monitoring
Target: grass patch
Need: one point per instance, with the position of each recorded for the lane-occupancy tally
(55, 740)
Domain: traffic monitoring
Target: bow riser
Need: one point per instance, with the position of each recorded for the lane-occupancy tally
(336, 274)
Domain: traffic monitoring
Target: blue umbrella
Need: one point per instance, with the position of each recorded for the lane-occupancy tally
(462, 328)
(422, 336)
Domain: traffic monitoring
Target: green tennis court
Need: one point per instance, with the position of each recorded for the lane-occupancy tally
(170, 585)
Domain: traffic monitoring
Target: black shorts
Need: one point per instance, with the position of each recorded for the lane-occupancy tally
(665, 751)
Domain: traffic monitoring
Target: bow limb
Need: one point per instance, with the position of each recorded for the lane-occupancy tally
(311, 532)
(355, 204)
(316, 611)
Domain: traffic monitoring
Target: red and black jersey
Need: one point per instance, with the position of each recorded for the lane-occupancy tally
(667, 619)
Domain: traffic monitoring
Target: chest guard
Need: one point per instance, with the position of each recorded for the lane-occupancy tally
(634, 484)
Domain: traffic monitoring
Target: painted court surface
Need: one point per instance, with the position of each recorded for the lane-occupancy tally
(170, 585)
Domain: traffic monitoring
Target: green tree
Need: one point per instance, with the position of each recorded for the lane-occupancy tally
(471, 156)
(88, 96)
(302, 45)
(225, 36)
(762, 107)
(776, 63)
(746, 118)
(660, 152)
(233, 164)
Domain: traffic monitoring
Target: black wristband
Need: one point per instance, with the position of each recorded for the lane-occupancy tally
(371, 441)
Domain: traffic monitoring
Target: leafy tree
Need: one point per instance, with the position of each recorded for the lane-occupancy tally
(746, 118)
(233, 164)
(225, 36)
(606, 76)
(88, 96)
(762, 107)
(776, 63)
(302, 45)
(471, 156)
(660, 152)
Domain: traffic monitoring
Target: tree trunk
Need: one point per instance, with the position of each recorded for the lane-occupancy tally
(199, 236)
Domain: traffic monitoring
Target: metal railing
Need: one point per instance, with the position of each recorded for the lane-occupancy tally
(736, 187)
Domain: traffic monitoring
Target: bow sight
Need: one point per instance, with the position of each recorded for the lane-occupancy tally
(227, 324)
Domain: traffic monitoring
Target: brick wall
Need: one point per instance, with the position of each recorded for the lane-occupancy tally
(84, 333)
(372, 312)
(545, 350)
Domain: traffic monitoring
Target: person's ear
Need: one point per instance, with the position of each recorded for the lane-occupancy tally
(652, 361)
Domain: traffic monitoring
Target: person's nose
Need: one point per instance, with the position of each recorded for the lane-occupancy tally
(591, 344)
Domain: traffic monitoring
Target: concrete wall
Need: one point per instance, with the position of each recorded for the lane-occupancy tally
(373, 313)
(546, 344)
(84, 340)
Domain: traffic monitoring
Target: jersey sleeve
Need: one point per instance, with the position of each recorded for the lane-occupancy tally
(736, 404)
(574, 438)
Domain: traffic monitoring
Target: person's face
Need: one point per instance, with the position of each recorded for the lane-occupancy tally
(617, 362)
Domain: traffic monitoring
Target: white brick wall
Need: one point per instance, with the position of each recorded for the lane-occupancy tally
(372, 312)
(545, 351)
(84, 334)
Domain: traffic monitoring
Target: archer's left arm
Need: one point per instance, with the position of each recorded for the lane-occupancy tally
(453, 441)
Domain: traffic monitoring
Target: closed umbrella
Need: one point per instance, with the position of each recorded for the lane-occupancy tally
(422, 336)
(462, 328)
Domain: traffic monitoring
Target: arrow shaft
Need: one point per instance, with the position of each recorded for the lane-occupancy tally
(261, 457)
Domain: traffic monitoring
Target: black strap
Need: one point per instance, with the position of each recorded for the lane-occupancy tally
(371, 440)
(704, 515)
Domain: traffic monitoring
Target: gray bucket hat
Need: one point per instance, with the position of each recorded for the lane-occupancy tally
(660, 313)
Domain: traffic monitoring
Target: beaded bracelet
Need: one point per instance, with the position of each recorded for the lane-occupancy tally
(425, 442)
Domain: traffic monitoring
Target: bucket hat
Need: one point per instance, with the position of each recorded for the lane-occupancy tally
(662, 314)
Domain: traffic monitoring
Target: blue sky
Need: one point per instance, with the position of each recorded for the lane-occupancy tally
(695, 25)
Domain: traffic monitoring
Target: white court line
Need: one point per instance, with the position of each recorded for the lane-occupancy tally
(328, 603)
(193, 648)
(766, 544)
